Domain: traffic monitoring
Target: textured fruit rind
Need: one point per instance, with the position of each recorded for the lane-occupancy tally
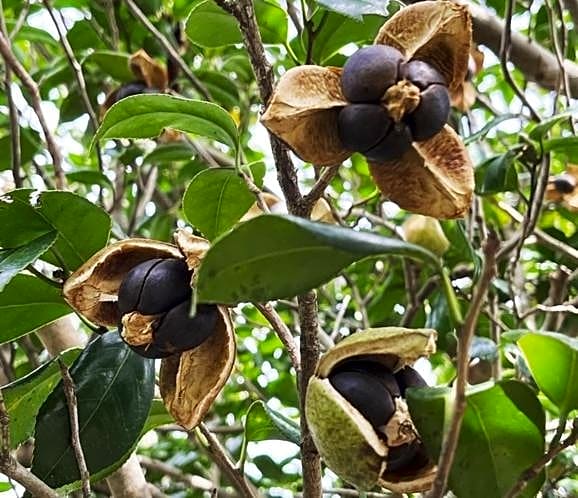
(345, 440)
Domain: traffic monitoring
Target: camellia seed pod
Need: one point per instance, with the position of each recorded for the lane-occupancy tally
(358, 417)
(119, 284)
(426, 232)
(389, 102)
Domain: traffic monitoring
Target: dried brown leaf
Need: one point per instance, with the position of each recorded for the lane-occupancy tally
(147, 69)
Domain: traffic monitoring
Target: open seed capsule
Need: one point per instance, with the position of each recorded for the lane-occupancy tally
(358, 418)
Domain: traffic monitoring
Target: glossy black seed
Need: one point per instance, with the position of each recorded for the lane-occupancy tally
(177, 331)
(369, 72)
(565, 183)
(366, 394)
(392, 146)
(130, 288)
(409, 456)
(408, 377)
(166, 286)
(362, 126)
(431, 114)
(378, 370)
(134, 88)
(421, 74)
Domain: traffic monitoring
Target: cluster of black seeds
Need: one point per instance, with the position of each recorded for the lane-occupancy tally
(366, 126)
(162, 287)
(371, 388)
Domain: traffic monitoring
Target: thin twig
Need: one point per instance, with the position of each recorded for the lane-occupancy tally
(318, 189)
(222, 459)
(36, 102)
(12, 111)
(451, 437)
(69, 393)
(14, 470)
(78, 74)
(197, 84)
(283, 332)
(505, 46)
(196, 482)
(535, 469)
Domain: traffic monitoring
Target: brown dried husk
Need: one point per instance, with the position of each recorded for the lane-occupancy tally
(434, 178)
(190, 381)
(92, 289)
(438, 33)
(147, 69)
(346, 441)
(303, 113)
(321, 210)
(570, 200)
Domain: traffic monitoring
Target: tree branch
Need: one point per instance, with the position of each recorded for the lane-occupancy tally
(32, 88)
(450, 442)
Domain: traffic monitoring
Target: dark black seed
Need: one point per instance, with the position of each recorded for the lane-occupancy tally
(166, 285)
(130, 288)
(134, 88)
(378, 370)
(366, 394)
(406, 457)
(362, 126)
(421, 74)
(177, 331)
(392, 146)
(408, 377)
(369, 72)
(431, 114)
(565, 183)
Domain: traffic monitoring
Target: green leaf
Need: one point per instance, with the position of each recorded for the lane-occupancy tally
(12, 261)
(89, 177)
(502, 435)
(167, 153)
(29, 146)
(215, 200)
(26, 304)
(553, 360)
(82, 227)
(115, 64)
(539, 130)
(272, 257)
(158, 415)
(222, 89)
(564, 145)
(145, 116)
(5, 486)
(210, 26)
(263, 423)
(497, 174)
(356, 8)
(114, 388)
(479, 135)
(25, 396)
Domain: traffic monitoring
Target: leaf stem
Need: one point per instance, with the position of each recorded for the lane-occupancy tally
(451, 298)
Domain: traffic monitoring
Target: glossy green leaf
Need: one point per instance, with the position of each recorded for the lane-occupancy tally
(12, 261)
(114, 388)
(166, 153)
(26, 304)
(210, 26)
(89, 177)
(356, 8)
(222, 89)
(215, 200)
(145, 116)
(263, 423)
(115, 64)
(25, 396)
(565, 145)
(539, 130)
(497, 174)
(502, 435)
(82, 227)
(29, 146)
(553, 360)
(272, 257)
(158, 415)
(480, 135)
(5, 486)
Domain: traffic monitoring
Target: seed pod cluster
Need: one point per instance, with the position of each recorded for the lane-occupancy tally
(357, 414)
(392, 103)
(160, 289)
